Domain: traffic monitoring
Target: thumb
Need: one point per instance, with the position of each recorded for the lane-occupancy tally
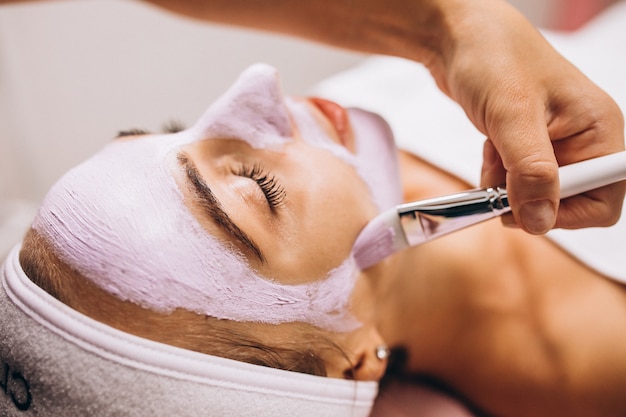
(531, 172)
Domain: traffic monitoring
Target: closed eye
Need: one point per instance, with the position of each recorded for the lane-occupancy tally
(213, 208)
(275, 193)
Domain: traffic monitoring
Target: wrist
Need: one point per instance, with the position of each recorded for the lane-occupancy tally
(475, 32)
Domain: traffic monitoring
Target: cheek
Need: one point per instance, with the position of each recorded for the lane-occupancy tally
(336, 203)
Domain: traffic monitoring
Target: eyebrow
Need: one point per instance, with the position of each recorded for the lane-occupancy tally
(209, 203)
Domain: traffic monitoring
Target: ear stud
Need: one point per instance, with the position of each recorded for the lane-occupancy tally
(382, 352)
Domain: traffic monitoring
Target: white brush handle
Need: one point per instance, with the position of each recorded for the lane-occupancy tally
(593, 173)
(456, 211)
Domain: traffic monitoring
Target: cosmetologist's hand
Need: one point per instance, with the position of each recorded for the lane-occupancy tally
(538, 112)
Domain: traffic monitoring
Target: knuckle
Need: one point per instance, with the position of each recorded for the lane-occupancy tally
(598, 208)
(536, 172)
(611, 216)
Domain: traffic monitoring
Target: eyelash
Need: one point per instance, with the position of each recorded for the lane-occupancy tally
(274, 192)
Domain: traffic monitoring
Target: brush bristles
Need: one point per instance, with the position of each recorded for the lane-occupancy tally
(381, 237)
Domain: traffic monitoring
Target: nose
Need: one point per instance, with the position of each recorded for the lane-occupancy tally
(252, 109)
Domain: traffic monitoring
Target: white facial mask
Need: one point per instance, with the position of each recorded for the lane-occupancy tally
(120, 220)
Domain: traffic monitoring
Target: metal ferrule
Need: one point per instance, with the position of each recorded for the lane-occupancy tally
(428, 219)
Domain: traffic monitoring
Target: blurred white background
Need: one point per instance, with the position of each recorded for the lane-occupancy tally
(74, 73)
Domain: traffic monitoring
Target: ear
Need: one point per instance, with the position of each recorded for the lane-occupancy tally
(361, 361)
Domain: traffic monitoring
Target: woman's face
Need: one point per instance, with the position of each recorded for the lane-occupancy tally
(300, 206)
(250, 215)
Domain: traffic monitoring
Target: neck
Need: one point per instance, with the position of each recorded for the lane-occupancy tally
(435, 287)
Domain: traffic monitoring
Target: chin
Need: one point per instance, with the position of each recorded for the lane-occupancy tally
(377, 157)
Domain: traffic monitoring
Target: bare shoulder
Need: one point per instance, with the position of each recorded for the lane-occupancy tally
(421, 179)
(544, 324)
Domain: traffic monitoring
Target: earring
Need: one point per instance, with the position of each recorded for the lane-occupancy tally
(382, 352)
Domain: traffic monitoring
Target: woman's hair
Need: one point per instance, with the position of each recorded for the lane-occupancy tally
(180, 328)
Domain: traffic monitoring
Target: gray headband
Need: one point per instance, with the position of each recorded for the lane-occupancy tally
(56, 362)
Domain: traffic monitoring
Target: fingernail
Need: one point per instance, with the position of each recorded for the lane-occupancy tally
(538, 216)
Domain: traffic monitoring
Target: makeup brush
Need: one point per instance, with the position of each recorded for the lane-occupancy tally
(412, 224)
